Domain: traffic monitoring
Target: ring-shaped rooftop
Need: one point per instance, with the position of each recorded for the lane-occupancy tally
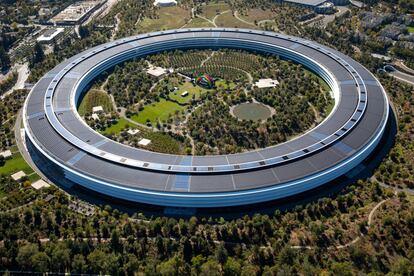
(360, 113)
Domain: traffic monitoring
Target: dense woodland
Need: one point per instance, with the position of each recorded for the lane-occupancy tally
(51, 237)
(9, 106)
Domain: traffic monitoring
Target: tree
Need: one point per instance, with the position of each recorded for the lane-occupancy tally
(25, 254)
(197, 262)
(4, 60)
(221, 254)
(40, 261)
(210, 268)
(97, 261)
(170, 267)
(100, 262)
(232, 267)
(187, 249)
(60, 258)
(115, 244)
(342, 269)
(83, 31)
(38, 54)
(79, 264)
(131, 265)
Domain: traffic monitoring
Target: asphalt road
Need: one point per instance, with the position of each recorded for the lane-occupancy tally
(403, 77)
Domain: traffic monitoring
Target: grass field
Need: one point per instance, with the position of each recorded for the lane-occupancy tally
(223, 83)
(15, 164)
(410, 29)
(117, 128)
(157, 111)
(228, 20)
(192, 90)
(93, 98)
(169, 18)
(210, 10)
(258, 15)
(199, 23)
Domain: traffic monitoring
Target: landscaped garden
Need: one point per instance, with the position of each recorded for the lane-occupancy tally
(209, 102)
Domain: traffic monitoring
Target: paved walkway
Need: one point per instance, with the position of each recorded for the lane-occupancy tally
(23, 74)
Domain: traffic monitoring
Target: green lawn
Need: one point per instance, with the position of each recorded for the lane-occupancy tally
(231, 85)
(199, 23)
(210, 10)
(15, 164)
(192, 90)
(169, 18)
(93, 98)
(410, 29)
(157, 111)
(228, 20)
(117, 128)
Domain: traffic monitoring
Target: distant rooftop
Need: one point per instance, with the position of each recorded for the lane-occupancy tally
(165, 2)
(156, 71)
(264, 83)
(6, 153)
(50, 34)
(307, 2)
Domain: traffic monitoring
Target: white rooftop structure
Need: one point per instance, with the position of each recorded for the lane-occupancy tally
(39, 184)
(264, 83)
(133, 131)
(49, 35)
(156, 71)
(313, 3)
(76, 12)
(17, 176)
(386, 58)
(95, 117)
(97, 109)
(144, 142)
(184, 94)
(165, 3)
(6, 153)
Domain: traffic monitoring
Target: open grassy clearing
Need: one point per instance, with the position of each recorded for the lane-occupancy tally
(160, 142)
(194, 91)
(410, 29)
(257, 15)
(228, 20)
(158, 111)
(117, 128)
(225, 85)
(210, 10)
(93, 98)
(15, 164)
(169, 18)
(199, 23)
